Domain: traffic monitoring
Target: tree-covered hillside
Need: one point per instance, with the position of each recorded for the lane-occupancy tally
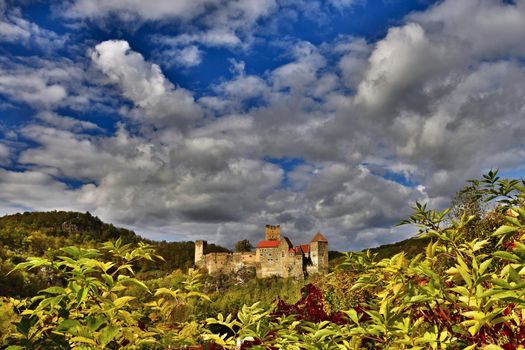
(42, 234)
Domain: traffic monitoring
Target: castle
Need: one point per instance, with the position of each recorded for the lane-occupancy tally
(274, 256)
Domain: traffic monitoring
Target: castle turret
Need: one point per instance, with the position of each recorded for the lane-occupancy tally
(200, 246)
(319, 253)
(273, 233)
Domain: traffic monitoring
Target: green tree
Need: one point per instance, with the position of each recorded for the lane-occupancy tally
(468, 201)
(243, 246)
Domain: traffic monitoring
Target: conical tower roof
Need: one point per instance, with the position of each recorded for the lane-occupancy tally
(319, 238)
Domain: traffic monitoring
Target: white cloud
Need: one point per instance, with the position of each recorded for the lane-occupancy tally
(49, 83)
(438, 88)
(187, 57)
(477, 28)
(448, 37)
(208, 22)
(354, 62)
(300, 73)
(15, 29)
(34, 89)
(36, 191)
(143, 83)
(342, 4)
(161, 9)
(67, 123)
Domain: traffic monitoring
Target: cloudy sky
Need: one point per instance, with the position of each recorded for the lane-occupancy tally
(208, 119)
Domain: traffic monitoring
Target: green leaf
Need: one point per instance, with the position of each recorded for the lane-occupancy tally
(513, 275)
(107, 334)
(119, 302)
(82, 294)
(67, 324)
(83, 340)
(464, 271)
(504, 229)
(54, 290)
(420, 298)
(137, 283)
(484, 265)
(353, 315)
(94, 322)
(506, 256)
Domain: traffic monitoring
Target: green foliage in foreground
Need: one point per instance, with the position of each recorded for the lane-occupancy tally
(463, 292)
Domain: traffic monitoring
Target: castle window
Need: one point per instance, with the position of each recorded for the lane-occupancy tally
(282, 254)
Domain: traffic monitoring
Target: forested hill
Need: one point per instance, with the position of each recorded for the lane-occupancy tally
(411, 247)
(44, 233)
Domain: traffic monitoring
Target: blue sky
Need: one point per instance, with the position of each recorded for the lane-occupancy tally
(211, 118)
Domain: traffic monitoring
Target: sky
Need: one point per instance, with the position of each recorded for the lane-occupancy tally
(207, 119)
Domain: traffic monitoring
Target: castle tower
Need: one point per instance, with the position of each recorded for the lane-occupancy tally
(200, 246)
(273, 233)
(319, 253)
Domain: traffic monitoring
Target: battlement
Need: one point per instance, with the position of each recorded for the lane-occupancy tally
(272, 232)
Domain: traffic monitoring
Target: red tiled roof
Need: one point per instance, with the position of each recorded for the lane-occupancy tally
(319, 238)
(303, 248)
(268, 244)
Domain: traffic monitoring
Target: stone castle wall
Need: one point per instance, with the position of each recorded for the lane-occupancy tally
(227, 262)
(269, 262)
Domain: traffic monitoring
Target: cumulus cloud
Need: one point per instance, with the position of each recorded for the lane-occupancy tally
(442, 41)
(441, 86)
(144, 84)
